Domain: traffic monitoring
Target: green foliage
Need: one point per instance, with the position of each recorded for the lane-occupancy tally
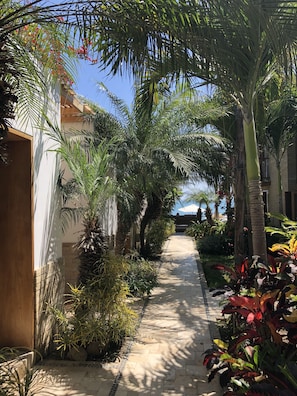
(142, 276)
(212, 239)
(96, 313)
(88, 191)
(90, 165)
(157, 234)
(213, 243)
(257, 352)
(287, 229)
(215, 279)
(199, 230)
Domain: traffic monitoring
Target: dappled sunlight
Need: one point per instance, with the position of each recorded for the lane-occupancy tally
(166, 355)
(69, 378)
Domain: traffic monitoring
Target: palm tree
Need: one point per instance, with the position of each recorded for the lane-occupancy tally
(91, 186)
(205, 198)
(8, 79)
(144, 158)
(234, 45)
(153, 158)
(228, 122)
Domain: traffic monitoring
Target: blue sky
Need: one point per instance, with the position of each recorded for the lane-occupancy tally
(122, 86)
(88, 78)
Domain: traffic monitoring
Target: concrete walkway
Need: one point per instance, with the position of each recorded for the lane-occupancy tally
(165, 357)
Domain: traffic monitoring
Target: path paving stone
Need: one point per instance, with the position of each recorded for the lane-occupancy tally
(165, 357)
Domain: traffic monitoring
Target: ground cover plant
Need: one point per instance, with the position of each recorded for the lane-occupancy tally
(215, 279)
(257, 354)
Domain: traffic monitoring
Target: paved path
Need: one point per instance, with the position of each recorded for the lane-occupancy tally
(165, 357)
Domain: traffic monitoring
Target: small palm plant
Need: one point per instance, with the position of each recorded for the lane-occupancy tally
(99, 315)
(89, 190)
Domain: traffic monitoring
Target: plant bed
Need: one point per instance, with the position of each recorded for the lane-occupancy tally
(256, 353)
(215, 279)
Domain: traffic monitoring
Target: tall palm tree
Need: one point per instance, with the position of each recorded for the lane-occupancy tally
(234, 45)
(228, 122)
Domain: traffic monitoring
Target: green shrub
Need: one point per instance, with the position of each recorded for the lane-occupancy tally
(199, 230)
(212, 239)
(215, 279)
(257, 352)
(97, 313)
(157, 234)
(141, 277)
(215, 244)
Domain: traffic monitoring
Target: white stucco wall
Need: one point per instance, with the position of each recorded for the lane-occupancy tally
(47, 231)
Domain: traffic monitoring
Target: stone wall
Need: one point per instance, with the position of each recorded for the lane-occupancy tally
(49, 290)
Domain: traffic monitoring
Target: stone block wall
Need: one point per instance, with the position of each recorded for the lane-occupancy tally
(49, 290)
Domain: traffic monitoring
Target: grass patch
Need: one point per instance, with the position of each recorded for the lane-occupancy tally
(215, 278)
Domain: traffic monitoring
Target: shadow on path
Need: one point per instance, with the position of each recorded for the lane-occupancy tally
(165, 357)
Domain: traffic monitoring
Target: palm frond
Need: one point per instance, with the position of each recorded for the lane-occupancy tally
(120, 106)
(70, 216)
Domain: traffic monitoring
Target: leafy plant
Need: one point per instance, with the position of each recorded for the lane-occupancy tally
(157, 234)
(199, 230)
(96, 314)
(215, 279)
(257, 354)
(142, 276)
(212, 239)
(215, 244)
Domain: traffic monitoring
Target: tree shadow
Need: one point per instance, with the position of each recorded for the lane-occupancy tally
(166, 355)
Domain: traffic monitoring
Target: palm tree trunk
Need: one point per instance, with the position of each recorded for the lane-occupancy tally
(121, 238)
(280, 187)
(256, 202)
(91, 248)
(239, 191)
(152, 212)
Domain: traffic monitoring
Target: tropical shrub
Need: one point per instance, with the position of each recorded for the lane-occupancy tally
(96, 316)
(157, 234)
(215, 279)
(142, 276)
(199, 230)
(212, 239)
(215, 244)
(257, 353)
